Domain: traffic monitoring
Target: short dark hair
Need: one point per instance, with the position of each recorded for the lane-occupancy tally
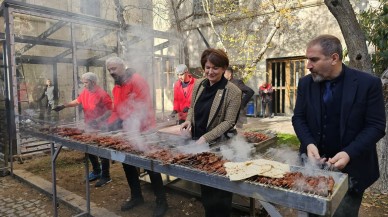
(329, 43)
(216, 56)
(230, 69)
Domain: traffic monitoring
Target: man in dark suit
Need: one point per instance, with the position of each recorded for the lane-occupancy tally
(247, 94)
(339, 117)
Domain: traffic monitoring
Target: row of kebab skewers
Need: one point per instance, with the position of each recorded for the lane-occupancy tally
(206, 161)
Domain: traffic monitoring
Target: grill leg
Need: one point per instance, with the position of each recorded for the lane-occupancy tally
(87, 183)
(54, 155)
(272, 211)
(302, 214)
(252, 207)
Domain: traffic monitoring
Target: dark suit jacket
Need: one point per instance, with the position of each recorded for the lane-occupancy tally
(362, 122)
(247, 92)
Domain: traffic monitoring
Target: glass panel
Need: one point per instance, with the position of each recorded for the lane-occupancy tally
(278, 75)
(292, 73)
(273, 74)
(283, 71)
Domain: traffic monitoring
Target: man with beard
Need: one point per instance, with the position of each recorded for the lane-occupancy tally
(132, 108)
(97, 106)
(339, 117)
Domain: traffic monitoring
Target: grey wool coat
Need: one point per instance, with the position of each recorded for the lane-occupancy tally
(223, 113)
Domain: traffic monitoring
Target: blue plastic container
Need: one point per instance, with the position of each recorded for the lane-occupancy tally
(250, 108)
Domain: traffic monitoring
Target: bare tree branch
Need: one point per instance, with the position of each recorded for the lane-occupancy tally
(206, 8)
(186, 17)
(179, 4)
(267, 41)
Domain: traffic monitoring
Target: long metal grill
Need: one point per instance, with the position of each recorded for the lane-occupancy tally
(162, 156)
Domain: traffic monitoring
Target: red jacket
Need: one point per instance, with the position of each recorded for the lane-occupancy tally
(94, 103)
(132, 104)
(182, 99)
(266, 97)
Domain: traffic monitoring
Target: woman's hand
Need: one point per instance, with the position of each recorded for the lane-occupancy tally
(186, 126)
(201, 141)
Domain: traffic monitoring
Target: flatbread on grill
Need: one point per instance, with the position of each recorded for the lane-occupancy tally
(243, 170)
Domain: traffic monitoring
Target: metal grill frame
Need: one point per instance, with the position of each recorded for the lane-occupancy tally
(305, 202)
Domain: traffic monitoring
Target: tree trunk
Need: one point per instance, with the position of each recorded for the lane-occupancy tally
(381, 184)
(120, 18)
(359, 58)
(354, 37)
(178, 22)
(382, 148)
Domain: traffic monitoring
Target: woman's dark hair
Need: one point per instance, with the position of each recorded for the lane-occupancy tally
(216, 56)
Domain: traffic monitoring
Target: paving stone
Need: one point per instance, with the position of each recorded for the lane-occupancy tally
(7, 200)
(14, 206)
(25, 213)
(9, 211)
(40, 212)
(29, 204)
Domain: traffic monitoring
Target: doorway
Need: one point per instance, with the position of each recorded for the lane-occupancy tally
(284, 75)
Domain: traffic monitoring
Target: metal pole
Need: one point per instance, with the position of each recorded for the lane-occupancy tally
(75, 68)
(272, 211)
(8, 144)
(104, 74)
(14, 139)
(252, 207)
(54, 155)
(87, 183)
(203, 38)
(55, 82)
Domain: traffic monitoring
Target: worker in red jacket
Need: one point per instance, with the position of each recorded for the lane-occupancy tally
(133, 111)
(265, 91)
(183, 89)
(132, 102)
(97, 106)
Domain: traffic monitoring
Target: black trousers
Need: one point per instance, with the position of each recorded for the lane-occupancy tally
(264, 106)
(96, 166)
(217, 203)
(350, 205)
(132, 175)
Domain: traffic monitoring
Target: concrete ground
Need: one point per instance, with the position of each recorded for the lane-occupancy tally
(279, 124)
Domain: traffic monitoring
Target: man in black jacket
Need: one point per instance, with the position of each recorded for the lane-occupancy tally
(339, 117)
(247, 94)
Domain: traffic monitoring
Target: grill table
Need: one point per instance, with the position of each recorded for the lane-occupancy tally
(266, 194)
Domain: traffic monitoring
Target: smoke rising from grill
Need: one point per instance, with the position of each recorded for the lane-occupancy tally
(284, 155)
(237, 149)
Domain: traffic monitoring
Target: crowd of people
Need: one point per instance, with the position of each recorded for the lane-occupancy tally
(339, 116)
